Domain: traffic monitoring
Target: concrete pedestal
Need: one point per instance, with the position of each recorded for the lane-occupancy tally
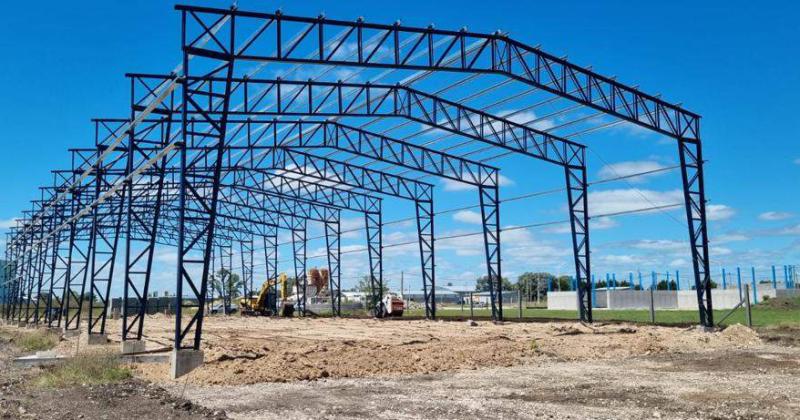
(71, 333)
(184, 361)
(132, 346)
(96, 339)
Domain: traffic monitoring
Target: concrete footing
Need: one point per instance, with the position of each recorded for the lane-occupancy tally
(184, 361)
(132, 346)
(22, 324)
(71, 333)
(95, 339)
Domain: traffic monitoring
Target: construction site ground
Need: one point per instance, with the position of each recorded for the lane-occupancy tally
(359, 368)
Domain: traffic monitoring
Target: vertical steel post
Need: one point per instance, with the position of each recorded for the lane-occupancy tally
(427, 256)
(577, 197)
(194, 253)
(691, 158)
(299, 238)
(490, 218)
(271, 258)
(373, 223)
(333, 245)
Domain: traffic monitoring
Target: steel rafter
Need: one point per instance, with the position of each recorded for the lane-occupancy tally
(497, 53)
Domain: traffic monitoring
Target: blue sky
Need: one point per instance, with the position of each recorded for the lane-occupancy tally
(735, 63)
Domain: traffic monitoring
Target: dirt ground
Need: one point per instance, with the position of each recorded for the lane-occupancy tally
(255, 350)
(357, 368)
(20, 398)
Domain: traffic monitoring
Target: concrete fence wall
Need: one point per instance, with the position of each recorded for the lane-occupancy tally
(663, 299)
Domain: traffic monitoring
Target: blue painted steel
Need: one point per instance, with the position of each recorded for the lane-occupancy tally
(774, 278)
(739, 281)
(753, 280)
(724, 279)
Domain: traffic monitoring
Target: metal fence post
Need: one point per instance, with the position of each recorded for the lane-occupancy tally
(471, 306)
(652, 306)
(774, 278)
(739, 281)
(748, 314)
(724, 279)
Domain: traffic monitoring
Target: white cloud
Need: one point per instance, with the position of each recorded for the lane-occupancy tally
(629, 168)
(791, 230)
(603, 223)
(660, 245)
(621, 200)
(634, 130)
(729, 237)
(453, 185)
(680, 262)
(468, 216)
(8, 223)
(351, 227)
(621, 259)
(775, 215)
(523, 118)
(719, 212)
(595, 224)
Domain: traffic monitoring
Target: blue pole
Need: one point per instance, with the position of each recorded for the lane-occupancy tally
(614, 279)
(594, 293)
(753, 279)
(630, 280)
(608, 281)
(786, 276)
(549, 284)
(678, 280)
(774, 278)
(574, 284)
(668, 285)
(640, 281)
(724, 279)
(653, 284)
(739, 281)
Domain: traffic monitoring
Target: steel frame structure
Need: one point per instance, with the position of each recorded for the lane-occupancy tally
(209, 157)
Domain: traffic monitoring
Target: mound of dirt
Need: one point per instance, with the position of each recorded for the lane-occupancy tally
(253, 350)
(740, 335)
(784, 303)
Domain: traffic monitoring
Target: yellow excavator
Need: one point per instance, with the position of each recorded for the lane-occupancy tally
(265, 303)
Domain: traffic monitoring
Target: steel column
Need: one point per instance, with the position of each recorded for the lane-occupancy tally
(691, 156)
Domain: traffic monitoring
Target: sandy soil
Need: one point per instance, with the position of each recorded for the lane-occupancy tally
(21, 398)
(254, 350)
(358, 368)
(718, 384)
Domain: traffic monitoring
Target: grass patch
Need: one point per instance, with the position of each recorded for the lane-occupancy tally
(36, 340)
(89, 369)
(763, 315)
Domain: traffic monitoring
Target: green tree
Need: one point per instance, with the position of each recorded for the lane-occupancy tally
(534, 285)
(482, 284)
(363, 286)
(564, 283)
(226, 284)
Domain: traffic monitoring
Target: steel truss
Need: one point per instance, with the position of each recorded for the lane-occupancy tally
(209, 158)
